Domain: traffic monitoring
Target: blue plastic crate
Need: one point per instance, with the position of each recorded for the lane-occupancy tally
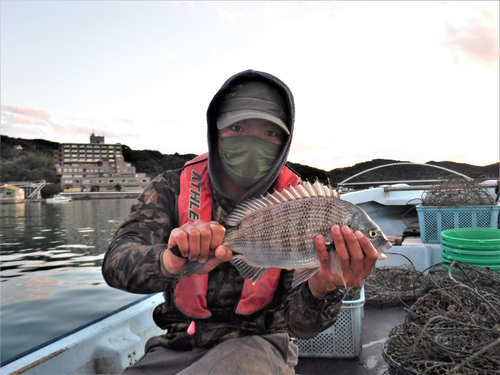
(343, 339)
(433, 220)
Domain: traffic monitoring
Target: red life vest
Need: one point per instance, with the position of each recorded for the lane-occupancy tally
(195, 203)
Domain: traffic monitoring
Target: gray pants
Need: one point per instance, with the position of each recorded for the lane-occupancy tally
(266, 354)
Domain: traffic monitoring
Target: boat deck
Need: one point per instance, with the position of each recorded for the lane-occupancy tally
(376, 325)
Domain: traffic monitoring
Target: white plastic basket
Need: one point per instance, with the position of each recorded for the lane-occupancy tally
(343, 339)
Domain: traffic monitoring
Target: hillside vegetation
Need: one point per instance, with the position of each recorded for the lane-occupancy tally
(35, 162)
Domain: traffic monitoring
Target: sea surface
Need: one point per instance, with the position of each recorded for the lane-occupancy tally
(50, 277)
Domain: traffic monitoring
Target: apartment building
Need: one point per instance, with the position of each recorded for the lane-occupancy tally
(96, 166)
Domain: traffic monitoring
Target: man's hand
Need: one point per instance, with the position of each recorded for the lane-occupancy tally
(197, 242)
(357, 258)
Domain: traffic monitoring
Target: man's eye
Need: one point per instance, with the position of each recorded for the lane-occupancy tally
(271, 133)
(236, 128)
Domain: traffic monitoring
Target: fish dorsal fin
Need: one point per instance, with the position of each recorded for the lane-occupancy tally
(301, 191)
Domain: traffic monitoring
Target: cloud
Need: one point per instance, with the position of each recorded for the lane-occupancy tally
(21, 119)
(26, 111)
(27, 122)
(25, 119)
(477, 42)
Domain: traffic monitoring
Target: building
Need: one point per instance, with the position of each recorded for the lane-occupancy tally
(96, 166)
(9, 192)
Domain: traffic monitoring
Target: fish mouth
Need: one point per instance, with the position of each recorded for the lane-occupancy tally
(385, 247)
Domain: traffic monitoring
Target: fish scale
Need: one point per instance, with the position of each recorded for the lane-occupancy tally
(278, 230)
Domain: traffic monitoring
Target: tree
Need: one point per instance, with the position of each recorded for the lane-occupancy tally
(29, 166)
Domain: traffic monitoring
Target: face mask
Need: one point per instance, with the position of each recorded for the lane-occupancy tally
(247, 158)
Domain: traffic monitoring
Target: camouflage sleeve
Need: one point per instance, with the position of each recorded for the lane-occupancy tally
(132, 261)
(307, 315)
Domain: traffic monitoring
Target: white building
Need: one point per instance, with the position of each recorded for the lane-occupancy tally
(96, 166)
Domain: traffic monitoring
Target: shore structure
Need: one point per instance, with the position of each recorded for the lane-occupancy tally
(96, 166)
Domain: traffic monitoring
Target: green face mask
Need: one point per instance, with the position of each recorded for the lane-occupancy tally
(247, 158)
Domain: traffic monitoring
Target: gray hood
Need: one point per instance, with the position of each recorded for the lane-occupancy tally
(214, 165)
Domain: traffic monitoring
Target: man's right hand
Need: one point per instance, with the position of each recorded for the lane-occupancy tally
(197, 242)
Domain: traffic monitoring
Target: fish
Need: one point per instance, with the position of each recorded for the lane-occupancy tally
(277, 230)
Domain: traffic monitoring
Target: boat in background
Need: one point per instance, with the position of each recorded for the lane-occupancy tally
(58, 199)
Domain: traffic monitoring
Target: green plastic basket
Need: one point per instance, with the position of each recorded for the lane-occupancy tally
(446, 259)
(472, 238)
(470, 256)
(489, 253)
(477, 246)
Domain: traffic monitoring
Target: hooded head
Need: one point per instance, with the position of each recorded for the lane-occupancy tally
(249, 95)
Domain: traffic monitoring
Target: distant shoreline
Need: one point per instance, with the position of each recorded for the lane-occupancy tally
(102, 195)
(80, 196)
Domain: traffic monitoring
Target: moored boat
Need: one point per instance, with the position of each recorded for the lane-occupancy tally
(58, 199)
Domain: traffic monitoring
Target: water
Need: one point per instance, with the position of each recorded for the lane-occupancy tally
(50, 278)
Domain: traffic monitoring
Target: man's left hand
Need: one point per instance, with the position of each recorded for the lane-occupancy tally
(357, 258)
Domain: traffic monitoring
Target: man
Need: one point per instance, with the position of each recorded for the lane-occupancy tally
(216, 322)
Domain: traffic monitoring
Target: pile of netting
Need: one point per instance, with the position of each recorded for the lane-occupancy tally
(454, 329)
(395, 286)
(457, 192)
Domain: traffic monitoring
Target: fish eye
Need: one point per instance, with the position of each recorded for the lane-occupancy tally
(372, 234)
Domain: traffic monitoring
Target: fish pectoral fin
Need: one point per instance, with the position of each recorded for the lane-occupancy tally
(246, 270)
(302, 274)
(335, 266)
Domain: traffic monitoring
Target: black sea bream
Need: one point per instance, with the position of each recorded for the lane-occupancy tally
(278, 230)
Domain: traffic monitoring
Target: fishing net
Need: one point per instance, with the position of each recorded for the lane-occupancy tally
(395, 286)
(454, 329)
(457, 192)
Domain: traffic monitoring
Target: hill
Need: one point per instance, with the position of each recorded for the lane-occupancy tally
(153, 163)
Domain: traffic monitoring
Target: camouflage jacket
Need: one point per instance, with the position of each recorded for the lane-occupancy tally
(132, 263)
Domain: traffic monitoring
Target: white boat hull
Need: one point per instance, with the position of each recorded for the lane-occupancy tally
(105, 347)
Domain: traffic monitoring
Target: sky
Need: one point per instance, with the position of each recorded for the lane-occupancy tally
(404, 80)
